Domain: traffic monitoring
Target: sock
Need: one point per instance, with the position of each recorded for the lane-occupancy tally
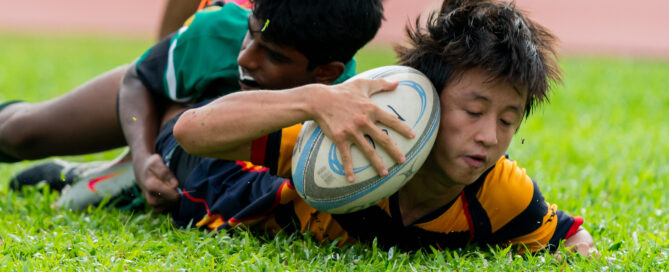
(3, 105)
(6, 157)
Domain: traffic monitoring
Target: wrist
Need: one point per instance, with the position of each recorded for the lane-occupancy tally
(306, 103)
(140, 154)
(139, 164)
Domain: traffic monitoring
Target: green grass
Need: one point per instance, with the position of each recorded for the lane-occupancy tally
(598, 150)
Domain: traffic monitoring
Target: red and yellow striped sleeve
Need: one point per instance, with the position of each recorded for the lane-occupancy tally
(275, 151)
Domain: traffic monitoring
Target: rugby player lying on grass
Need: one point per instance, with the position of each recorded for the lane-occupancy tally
(491, 66)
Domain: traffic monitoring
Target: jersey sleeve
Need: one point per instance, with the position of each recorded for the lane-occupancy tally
(200, 59)
(275, 151)
(517, 211)
(151, 66)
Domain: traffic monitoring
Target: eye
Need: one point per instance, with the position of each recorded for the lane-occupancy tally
(473, 113)
(276, 57)
(506, 123)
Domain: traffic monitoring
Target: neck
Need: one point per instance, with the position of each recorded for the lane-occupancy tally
(426, 192)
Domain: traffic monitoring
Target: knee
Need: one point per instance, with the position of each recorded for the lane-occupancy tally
(18, 135)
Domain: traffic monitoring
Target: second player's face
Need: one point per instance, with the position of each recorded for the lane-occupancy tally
(265, 65)
(478, 119)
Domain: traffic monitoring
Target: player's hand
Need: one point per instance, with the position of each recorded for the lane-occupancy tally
(158, 183)
(346, 114)
(583, 249)
(581, 242)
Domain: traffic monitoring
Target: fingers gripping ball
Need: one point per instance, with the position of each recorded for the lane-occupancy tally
(318, 173)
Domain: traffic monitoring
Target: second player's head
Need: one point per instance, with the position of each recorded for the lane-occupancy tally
(294, 42)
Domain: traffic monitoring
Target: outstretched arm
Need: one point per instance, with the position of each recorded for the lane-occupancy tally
(226, 127)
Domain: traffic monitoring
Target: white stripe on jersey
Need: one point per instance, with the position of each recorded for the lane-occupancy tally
(170, 75)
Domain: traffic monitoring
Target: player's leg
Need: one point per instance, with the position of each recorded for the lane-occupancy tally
(4, 157)
(175, 14)
(57, 173)
(90, 182)
(79, 122)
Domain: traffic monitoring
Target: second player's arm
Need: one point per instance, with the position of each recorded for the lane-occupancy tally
(140, 120)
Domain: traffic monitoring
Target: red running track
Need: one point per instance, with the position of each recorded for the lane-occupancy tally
(608, 27)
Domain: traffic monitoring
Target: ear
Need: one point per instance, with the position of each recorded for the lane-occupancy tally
(328, 73)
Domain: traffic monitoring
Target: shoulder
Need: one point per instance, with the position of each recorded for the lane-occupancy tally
(507, 179)
(516, 209)
(507, 192)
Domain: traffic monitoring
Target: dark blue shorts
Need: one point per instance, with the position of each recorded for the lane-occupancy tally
(180, 162)
(214, 187)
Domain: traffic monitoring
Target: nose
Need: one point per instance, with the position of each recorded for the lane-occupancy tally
(247, 58)
(487, 132)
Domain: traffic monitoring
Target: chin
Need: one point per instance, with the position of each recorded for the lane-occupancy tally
(466, 178)
(456, 178)
(466, 182)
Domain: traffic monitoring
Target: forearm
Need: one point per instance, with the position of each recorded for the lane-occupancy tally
(140, 121)
(226, 127)
(138, 115)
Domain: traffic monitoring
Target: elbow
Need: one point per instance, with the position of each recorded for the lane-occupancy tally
(129, 79)
(185, 135)
(130, 90)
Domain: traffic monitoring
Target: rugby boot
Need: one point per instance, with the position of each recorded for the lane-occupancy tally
(56, 173)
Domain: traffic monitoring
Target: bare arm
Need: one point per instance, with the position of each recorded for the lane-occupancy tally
(226, 127)
(139, 119)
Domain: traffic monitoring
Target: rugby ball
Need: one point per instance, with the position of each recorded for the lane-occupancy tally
(318, 173)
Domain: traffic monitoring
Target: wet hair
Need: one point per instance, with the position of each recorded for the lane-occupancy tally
(322, 30)
(491, 35)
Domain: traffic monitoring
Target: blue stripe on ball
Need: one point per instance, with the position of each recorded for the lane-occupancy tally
(298, 177)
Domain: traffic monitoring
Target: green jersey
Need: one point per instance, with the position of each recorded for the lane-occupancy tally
(200, 60)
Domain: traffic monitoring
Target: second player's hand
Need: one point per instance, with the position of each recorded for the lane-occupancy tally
(158, 183)
(346, 115)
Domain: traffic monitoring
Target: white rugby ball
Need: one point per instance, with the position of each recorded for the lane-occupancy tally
(318, 173)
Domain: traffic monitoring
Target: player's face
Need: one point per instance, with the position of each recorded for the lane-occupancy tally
(264, 65)
(478, 119)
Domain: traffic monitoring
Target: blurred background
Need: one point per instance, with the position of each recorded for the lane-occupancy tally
(600, 27)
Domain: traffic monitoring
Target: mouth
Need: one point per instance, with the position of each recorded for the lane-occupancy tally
(475, 161)
(246, 81)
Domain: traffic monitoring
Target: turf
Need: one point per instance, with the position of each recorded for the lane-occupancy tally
(598, 150)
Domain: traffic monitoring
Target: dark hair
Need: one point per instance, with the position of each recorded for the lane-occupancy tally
(322, 30)
(491, 35)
